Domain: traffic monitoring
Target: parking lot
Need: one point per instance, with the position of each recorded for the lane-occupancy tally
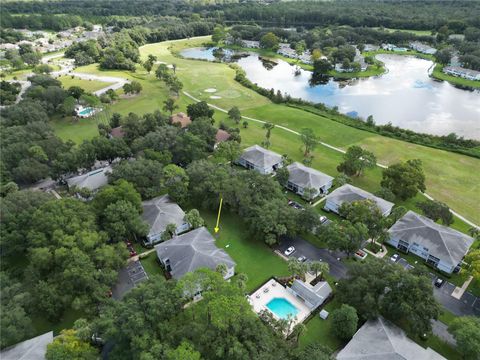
(128, 278)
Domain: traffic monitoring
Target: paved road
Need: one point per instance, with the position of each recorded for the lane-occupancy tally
(441, 330)
(302, 247)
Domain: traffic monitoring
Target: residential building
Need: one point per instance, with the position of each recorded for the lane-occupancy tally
(348, 193)
(259, 159)
(251, 44)
(191, 251)
(380, 339)
(158, 213)
(371, 47)
(423, 48)
(182, 119)
(117, 132)
(32, 349)
(462, 72)
(92, 180)
(440, 246)
(312, 296)
(303, 177)
(221, 136)
(392, 47)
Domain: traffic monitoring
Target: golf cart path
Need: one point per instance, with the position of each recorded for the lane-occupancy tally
(326, 145)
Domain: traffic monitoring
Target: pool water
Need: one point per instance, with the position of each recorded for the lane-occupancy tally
(86, 111)
(282, 308)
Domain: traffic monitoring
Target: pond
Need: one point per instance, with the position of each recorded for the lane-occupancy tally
(405, 96)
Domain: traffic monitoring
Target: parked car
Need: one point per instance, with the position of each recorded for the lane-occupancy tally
(394, 258)
(289, 251)
(323, 219)
(302, 258)
(439, 282)
(295, 205)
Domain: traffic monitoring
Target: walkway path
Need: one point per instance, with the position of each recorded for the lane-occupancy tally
(328, 146)
(140, 256)
(441, 330)
(459, 291)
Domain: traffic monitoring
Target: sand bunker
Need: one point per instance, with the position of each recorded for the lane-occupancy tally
(210, 90)
(215, 97)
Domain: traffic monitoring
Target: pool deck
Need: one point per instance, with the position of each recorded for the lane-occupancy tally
(273, 289)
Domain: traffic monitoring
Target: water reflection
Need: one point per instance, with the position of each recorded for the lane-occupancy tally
(405, 96)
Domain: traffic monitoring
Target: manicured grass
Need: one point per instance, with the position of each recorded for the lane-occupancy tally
(152, 267)
(87, 85)
(372, 70)
(455, 80)
(76, 130)
(320, 331)
(416, 32)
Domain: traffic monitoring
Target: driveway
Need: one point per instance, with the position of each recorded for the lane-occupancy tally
(303, 248)
(128, 278)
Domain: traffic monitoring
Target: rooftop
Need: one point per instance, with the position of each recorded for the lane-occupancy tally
(441, 241)
(191, 251)
(181, 118)
(161, 211)
(117, 132)
(261, 157)
(33, 349)
(307, 177)
(92, 180)
(380, 339)
(221, 136)
(349, 193)
(314, 295)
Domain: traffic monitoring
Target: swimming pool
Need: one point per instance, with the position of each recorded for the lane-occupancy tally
(282, 308)
(86, 112)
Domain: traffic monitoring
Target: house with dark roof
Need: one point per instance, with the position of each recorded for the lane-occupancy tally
(191, 251)
(348, 194)
(302, 177)
(32, 349)
(92, 180)
(182, 119)
(381, 340)
(312, 296)
(440, 246)
(259, 159)
(159, 213)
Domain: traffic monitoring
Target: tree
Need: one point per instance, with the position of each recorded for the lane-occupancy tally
(245, 124)
(122, 221)
(222, 269)
(385, 194)
(404, 179)
(169, 105)
(310, 141)
(42, 69)
(161, 71)
(296, 267)
(473, 258)
(282, 176)
(235, 115)
(344, 322)
(319, 267)
(269, 41)
(184, 351)
(194, 219)
(170, 230)
(121, 190)
(175, 85)
(199, 110)
(269, 127)
(436, 210)
(356, 160)
(443, 56)
(175, 181)
(219, 34)
(315, 351)
(466, 331)
(68, 346)
(229, 151)
(344, 236)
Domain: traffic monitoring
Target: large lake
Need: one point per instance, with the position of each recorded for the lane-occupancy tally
(405, 96)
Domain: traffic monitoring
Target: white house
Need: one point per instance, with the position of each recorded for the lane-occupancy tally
(259, 159)
(159, 212)
(191, 251)
(92, 180)
(440, 246)
(462, 72)
(252, 44)
(423, 48)
(302, 177)
(348, 193)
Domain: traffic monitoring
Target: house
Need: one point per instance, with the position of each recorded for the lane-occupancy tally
(380, 339)
(391, 47)
(423, 48)
(191, 251)
(259, 159)
(440, 246)
(303, 177)
(251, 44)
(462, 72)
(348, 193)
(117, 132)
(159, 212)
(92, 180)
(182, 119)
(221, 136)
(32, 349)
(312, 296)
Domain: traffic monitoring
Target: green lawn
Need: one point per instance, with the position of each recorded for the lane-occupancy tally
(42, 325)
(76, 130)
(440, 75)
(416, 32)
(87, 85)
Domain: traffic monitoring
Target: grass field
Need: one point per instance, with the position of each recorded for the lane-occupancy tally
(87, 85)
(450, 177)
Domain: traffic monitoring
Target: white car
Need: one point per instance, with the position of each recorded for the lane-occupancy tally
(289, 251)
(323, 219)
(394, 258)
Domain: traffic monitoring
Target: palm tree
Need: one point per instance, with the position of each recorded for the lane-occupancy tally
(267, 126)
(297, 331)
(293, 266)
(169, 105)
(319, 267)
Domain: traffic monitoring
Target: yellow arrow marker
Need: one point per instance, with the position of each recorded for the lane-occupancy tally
(218, 217)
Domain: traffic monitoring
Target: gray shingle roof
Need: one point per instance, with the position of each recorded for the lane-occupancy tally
(348, 193)
(441, 241)
(92, 180)
(191, 251)
(307, 177)
(161, 211)
(381, 340)
(33, 349)
(261, 157)
(315, 295)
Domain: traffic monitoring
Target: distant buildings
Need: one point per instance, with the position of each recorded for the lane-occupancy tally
(423, 48)
(391, 47)
(251, 44)
(462, 72)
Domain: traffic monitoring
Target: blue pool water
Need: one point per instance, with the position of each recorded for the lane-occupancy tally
(282, 308)
(86, 111)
